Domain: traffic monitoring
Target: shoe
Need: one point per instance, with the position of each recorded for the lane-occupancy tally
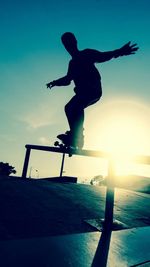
(64, 138)
(70, 140)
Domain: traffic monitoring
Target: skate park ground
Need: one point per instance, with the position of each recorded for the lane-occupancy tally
(45, 223)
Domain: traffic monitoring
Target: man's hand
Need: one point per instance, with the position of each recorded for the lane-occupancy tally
(50, 85)
(127, 49)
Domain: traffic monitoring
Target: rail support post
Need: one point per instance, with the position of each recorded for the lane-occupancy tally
(26, 162)
(110, 192)
(62, 165)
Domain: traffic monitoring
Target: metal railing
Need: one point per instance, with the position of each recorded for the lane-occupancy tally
(108, 221)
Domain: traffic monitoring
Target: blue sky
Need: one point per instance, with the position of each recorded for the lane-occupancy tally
(32, 54)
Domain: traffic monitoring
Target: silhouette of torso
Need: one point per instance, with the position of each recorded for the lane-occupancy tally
(84, 73)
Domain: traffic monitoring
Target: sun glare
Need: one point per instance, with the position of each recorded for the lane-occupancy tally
(122, 129)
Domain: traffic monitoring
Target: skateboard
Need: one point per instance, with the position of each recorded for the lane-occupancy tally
(65, 143)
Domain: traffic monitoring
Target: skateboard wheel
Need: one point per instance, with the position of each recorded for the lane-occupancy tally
(56, 143)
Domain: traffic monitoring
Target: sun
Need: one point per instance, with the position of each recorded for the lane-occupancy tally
(122, 129)
(124, 135)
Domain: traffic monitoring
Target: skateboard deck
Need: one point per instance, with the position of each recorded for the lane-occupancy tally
(65, 142)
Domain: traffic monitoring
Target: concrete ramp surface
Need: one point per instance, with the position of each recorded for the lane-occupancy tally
(44, 224)
(123, 248)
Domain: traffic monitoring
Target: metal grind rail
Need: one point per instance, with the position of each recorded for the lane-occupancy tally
(108, 221)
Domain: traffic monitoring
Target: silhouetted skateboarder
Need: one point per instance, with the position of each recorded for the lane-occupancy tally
(87, 80)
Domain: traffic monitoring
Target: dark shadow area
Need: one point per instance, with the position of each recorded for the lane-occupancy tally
(101, 255)
(37, 208)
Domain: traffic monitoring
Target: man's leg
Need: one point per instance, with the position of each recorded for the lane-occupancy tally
(74, 110)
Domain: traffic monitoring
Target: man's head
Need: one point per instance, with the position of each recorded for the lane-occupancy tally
(70, 42)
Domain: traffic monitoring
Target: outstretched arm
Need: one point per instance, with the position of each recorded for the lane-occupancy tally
(60, 82)
(64, 81)
(126, 50)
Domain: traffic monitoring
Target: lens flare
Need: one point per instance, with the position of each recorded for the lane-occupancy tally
(122, 129)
